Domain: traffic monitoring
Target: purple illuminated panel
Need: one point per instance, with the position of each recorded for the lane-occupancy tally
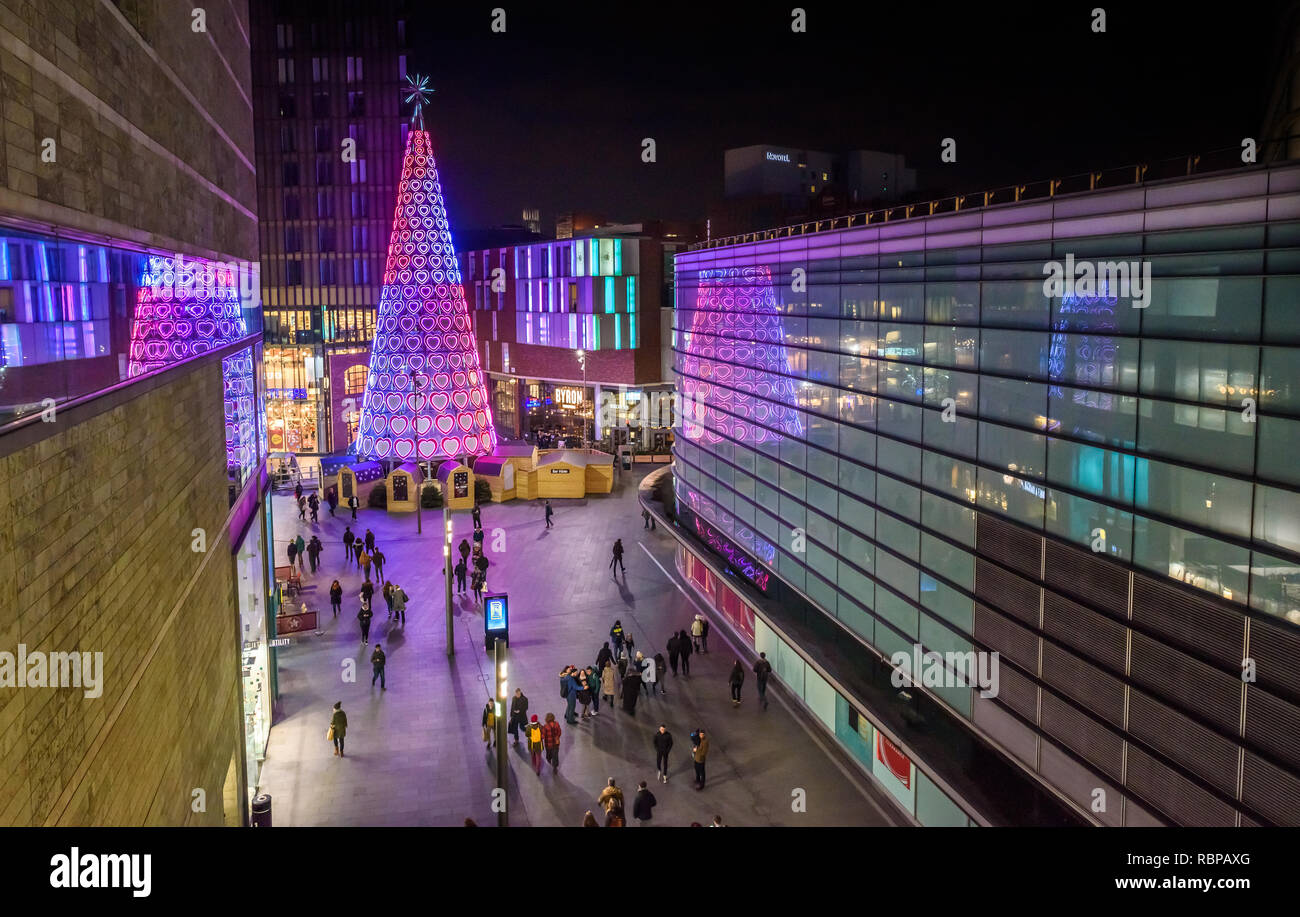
(185, 306)
(241, 420)
(737, 558)
(734, 355)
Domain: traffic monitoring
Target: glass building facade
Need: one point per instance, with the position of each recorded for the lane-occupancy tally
(908, 429)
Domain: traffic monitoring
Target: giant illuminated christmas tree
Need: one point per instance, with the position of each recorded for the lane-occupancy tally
(732, 370)
(425, 393)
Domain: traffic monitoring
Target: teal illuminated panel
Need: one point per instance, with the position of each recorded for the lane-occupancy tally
(618, 332)
(595, 257)
(618, 256)
(609, 294)
(631, 312)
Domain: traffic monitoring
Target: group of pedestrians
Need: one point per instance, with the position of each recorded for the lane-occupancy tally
(302, 551)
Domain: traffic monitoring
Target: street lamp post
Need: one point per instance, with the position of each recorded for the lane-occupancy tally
(582, 362)
(502, 700)
(446, 555)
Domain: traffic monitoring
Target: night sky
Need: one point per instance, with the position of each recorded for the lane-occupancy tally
(552, 113)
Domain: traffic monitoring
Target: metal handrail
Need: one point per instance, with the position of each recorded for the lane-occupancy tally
(1119, 177)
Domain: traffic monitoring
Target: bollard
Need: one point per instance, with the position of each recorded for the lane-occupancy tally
(261, 811)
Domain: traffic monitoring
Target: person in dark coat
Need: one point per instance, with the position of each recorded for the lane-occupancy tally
(463, 547)
(477, 515)
(332, 498)
(293, 552)
(460, 570)
(370, 542)
(518, 714)
(336, 597)
(314, 547)
(364, 616)
(378, 660)
(673, 653)
(684, 647)
(663, 742)
(348, 541)
(314, 503)
(616, 556)
(736, 679)
(631, 689)
(605, 655)
(644, 802)
(762, 671)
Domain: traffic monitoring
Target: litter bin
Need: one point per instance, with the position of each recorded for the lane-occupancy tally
(261, 811)
(627, 462)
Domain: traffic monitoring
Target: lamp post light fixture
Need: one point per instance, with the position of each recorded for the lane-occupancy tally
(582, 362)
(502, 705)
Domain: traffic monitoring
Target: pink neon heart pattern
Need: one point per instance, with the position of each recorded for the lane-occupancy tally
(426, 394)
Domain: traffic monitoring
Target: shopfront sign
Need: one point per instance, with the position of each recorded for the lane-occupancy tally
(460, 484)
(569, 396)
(559, 471)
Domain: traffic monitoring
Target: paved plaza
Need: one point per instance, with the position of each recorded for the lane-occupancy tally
(415, 754)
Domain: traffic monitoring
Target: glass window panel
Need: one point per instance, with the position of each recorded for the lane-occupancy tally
(1225, 308)
(959, 436)
(822, 465)
(948, 561)
(901, 420)
(952, 303)
(949, 517)
(1213, 501)
(857, 444)
(900, 342)
(898, 497)
(1095, 526)
(857, 409)
(1014, 401)
(899, 458)
(1280, 375)
(1008, 495)
(1101, 472)
(858, 480)
(1014, 353)
(1275, 586)
(902, 302)
(1198, 371)
(1102, 417)
(1110, 314)
(1014, 303)
(951, 346)
(1097, 361)
(1224, 439)
(1277, 517)
(1197, 560)
(858, 373)
(1013, 450)
(948, 603)
(1282, 310)
(956, 478)
(1279, 447)
(962, 388)
(895, 610)
(858, 300)
(857, 515)
(901, 382)
(897, 536)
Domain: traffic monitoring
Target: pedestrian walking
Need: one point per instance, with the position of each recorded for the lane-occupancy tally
(648, 673)
(348, 541)
(603, 656)
(370, 542)
(314, 548)
(489, 723)
(684, 650)
(629, 645)
(643, 803)
(477, 515)
(762, 669)
(673, 653)
(704, 634)
(631, 689)
(463, 547)
(297, 492)
(461, 570)
(302, 552)
(569, 691)
(314, 502)
(353, 503)
(332, 498)
(616, 635)
(699, 752)
(533, 734)
(584, 694)
(377, 662)
(736, 679)
(610, 796)
(697, 630)
(551, 740)
(661, 675)
(293, 553)
(336, 597)
(338, 728)
(518, 714)
(377, 558)
(368, 590)
(649, 519)
(614, 818)
(608, 682)
(549, 513)
(663, 742)
(388, 598)
(617, 558)
(478, 540)
(366, 561)
(593, 685)
(477, 581)
(302, 507)
(400, 598)
(364, 616)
